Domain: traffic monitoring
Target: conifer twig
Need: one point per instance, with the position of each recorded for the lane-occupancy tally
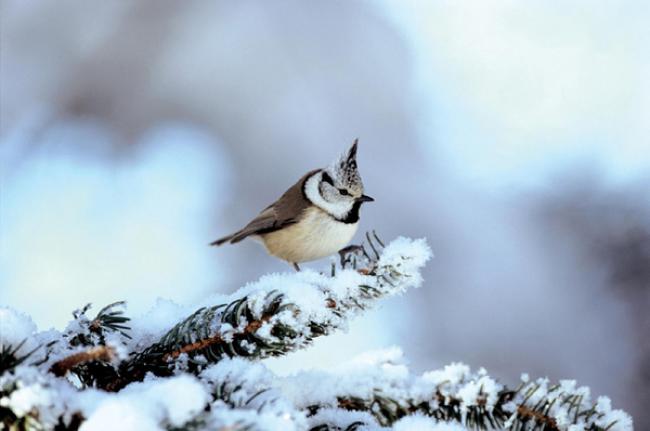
(98, 353)
(10, 358)
(214, 340)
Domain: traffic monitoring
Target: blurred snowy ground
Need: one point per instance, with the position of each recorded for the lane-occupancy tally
(514, 136)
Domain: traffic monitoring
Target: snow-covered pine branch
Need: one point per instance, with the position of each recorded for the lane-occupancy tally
(376, 392)
(281, 313)
(381, 386)
(201, 372)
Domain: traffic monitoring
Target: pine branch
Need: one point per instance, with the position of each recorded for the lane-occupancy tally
(99, 353)
(92, 332)
(473, 400)
(10, 357)
(388, 410)
(272, 320)
(247, 388)
(110, 318)
(102, 337)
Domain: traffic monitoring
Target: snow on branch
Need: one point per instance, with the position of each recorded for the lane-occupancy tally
(282, 312)
(382, 387)
(376, 392)
(202, 372)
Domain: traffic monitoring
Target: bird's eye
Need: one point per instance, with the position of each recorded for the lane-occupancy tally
(343, 192)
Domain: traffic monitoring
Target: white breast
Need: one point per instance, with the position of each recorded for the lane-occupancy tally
(315, 236)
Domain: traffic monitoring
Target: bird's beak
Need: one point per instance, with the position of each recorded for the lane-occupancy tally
(365, 198)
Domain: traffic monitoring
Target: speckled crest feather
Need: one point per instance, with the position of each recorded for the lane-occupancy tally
(345, 172)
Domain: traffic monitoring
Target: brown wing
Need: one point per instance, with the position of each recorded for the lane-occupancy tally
(281, 213)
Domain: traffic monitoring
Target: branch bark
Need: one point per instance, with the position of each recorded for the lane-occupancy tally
(99, 353)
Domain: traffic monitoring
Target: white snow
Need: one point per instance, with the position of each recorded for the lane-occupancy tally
(423, 423)
(24, 399)
(150, 405)
(577, 398)
(250, 394)
(344, 418)
(38, 392)
(16, 327)
(407, 256)
(150, 326)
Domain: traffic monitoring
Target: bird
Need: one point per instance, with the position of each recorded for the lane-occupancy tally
(314, 218)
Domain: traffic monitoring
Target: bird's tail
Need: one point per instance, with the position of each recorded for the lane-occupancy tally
(232, 238)
(223, 240)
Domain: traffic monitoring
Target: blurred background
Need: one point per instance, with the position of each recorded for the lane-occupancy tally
(514, 136)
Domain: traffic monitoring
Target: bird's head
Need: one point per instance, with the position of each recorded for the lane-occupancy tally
(338, 189)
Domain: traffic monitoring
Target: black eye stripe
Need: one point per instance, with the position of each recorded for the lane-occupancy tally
(328, 179)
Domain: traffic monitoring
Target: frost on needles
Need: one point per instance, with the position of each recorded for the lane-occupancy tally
(183, 369)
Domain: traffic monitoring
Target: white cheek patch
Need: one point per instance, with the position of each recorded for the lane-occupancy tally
(337, 209)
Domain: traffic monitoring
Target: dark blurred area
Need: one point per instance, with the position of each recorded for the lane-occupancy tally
(610, 230)
(133, 134)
